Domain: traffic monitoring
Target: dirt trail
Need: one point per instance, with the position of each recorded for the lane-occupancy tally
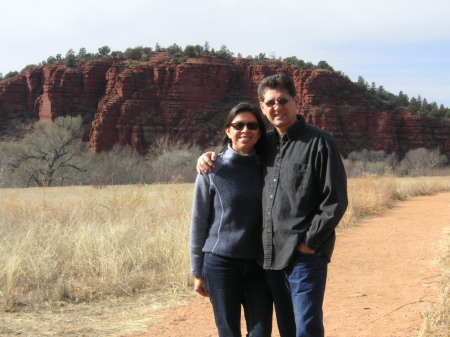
(382, 275)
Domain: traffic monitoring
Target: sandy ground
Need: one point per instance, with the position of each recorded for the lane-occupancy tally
(383, 274)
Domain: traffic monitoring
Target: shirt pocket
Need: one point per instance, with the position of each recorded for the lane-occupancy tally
(294, 176)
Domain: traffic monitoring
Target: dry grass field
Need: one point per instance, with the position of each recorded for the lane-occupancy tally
(97, 259)
(436, 321)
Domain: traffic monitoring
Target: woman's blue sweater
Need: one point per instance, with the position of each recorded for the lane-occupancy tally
(226, 216)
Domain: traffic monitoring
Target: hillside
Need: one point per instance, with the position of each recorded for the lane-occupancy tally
(137, 102)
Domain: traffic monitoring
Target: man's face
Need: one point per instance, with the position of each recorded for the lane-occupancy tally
(279, 108)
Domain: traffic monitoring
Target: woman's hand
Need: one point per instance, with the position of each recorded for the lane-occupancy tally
(200, 287)
(205, 162)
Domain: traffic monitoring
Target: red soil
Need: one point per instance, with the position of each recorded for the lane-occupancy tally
(382, 276)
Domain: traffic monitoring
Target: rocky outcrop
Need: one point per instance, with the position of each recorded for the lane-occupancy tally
(135, 103)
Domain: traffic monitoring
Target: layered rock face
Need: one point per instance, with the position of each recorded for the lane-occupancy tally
(137, 103)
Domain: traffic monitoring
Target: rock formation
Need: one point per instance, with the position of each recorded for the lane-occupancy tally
(134, 103)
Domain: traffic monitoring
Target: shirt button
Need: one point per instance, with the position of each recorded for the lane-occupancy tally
(268, 213)
(269, 230)
(278, 164)
(275, 180)
(271, 196)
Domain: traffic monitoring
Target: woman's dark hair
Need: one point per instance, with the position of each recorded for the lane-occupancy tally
(279, 81)
(256, 111)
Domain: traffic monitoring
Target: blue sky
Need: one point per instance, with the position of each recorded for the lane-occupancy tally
(399, 44)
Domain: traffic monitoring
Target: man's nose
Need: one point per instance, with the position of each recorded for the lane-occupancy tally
(277, 106)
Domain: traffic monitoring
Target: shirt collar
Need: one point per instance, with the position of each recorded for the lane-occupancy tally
(296, 129)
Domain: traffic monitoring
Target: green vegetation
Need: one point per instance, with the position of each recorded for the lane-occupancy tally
(9, 75)
(417, 106)
(176, 54)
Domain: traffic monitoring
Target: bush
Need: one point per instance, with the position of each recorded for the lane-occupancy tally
(138, 53)
(120, 166)
(4, 162)
(11, 74)
(175, 166)
(363, 162)
(421, 162)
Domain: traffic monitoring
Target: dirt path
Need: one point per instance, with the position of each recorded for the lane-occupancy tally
(382, 275)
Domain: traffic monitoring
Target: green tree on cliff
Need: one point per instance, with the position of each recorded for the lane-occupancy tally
(174, 50)
(207, 48)
(138, 53)
(11, 74)
(82, 53)
(415, 105)
(224, 52)
(294, 61)
(104, 51)
(70, 58)
(324, 65)
(190, 51)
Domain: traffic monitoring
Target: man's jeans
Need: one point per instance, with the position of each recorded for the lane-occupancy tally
(298, 292)
(232, 282)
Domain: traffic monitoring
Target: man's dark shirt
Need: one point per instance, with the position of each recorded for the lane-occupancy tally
(304, 195)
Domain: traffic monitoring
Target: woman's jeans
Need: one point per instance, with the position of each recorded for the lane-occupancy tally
(234, 282)
(298, 292)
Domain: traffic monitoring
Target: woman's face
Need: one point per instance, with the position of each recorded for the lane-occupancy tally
(243, 138)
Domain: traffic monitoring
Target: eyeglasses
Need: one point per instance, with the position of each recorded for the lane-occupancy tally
(272, 102)
(240, 126)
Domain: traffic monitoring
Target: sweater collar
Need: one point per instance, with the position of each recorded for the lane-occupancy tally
(232, 155)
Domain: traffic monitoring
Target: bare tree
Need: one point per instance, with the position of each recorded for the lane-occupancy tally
(53, 152)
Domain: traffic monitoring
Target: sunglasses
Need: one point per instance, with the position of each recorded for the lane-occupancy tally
(272, 102)
(240, 126)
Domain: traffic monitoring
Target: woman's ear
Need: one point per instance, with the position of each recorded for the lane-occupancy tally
(227, 131)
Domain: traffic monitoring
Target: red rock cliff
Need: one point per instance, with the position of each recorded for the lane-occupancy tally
(135, 103)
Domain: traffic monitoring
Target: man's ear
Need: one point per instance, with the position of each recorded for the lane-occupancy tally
(262, 106)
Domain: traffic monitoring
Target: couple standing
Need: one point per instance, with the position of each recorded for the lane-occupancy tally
(264, 218)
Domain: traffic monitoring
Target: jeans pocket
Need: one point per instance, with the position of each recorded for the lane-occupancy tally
(316, 258)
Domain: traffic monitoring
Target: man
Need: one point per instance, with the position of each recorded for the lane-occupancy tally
(304, 198)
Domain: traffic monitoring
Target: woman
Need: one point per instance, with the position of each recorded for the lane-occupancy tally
(226, 229)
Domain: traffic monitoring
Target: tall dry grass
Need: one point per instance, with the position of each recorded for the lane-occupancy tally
(370, 195)
(80, 243)
(436, 320)
(77, 244)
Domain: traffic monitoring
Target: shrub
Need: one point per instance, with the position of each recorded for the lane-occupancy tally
(421, 162)
(122, 165)
(11, 74)
(363, 162)
(175, 166)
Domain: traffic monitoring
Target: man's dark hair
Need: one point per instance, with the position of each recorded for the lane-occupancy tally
(278, 81)
(256, 111)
